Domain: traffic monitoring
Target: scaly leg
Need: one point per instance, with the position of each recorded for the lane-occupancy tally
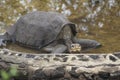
(60, 48)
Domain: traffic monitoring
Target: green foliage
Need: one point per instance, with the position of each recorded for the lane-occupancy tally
(7, 75)
(13, 71)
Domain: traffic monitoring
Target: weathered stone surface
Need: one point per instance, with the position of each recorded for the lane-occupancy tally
(62, 66)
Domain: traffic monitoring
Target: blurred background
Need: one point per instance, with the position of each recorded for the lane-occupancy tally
(95, 19)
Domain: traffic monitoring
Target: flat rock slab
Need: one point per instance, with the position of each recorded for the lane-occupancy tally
(63, 66)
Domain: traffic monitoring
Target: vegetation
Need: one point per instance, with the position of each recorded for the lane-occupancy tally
(7, 75)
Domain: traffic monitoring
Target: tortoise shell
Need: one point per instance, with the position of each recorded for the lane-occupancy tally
(39, 28)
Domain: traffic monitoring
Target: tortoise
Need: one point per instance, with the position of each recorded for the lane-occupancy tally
(49, 32)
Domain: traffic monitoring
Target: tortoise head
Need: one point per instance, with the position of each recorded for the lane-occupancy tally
(75, 48)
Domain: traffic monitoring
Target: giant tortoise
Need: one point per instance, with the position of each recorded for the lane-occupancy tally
(49, 32)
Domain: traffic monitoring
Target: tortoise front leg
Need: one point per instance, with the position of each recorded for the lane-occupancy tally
(60, 48)
(47, 49)
(67, 37)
